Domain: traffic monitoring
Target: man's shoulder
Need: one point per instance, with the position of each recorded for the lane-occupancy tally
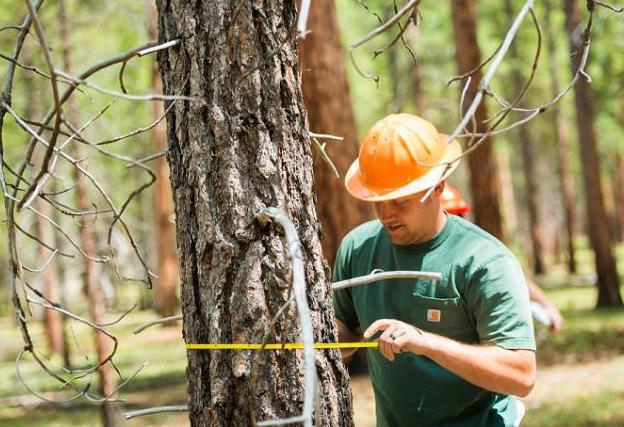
(479, 240)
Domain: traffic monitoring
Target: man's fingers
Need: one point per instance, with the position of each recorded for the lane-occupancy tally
(399, 343)
(390, 333)
(378, 325)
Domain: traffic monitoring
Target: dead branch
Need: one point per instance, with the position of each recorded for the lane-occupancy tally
(408, 8)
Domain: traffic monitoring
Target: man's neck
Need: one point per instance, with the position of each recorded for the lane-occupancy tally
(434, 230)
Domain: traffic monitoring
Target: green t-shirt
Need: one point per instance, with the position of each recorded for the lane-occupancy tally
(481, 299)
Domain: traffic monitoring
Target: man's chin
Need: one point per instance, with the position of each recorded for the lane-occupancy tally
(398, 238)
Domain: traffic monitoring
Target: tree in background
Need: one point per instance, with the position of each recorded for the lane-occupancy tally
(529, 164)
(111, 414)
(330, 111)
(52, 321)
(484, 184)
(562, 143)
(242, 147)
(166, 286)
(608, 281)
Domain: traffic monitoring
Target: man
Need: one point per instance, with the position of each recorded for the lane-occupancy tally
(451, 352)
(541, 306)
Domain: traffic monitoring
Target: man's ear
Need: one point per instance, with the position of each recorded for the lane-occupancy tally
(439, 189)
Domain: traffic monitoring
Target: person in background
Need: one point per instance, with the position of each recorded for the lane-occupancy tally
(454, 203)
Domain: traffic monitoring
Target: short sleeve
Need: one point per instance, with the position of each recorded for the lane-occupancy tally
(498, 301)
(343, 299)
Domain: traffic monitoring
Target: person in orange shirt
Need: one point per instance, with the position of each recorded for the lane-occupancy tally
(545, 311)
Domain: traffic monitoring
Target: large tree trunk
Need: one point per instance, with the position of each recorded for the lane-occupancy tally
(111, 415)
(608, 283)
(166, 285)
(328, 103)
(529, 167)
(563, 146)
(484, 185)
(243, 146)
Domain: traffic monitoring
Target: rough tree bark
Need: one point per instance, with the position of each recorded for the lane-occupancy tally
(243, 146)
(166, 285)
(529, 166)
(484, 185)
(111, 414)
(608, 282)
(562, 143)
(328, 103)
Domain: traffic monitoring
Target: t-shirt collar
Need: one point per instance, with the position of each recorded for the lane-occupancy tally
(431, 243)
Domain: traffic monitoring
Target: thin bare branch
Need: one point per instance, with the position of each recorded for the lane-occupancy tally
(143, 52)
(63, 233)
(41, 242)
(137, 131)
(325, 136)
(33, 69)
(44, 265)
(608, 6)
(100, 190)
(157, 322)
(408, 8)
(328, 160)
(18, 374)
(66, 95)
(156, 410)
(150, 97)
(299, 291)
(377, 275)
(120, 318)
(26, 201)
(302, 20)
(86, 322)
(43, 171)
(148, 158)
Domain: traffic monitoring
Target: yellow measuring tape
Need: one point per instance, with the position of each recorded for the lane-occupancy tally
(281, 346)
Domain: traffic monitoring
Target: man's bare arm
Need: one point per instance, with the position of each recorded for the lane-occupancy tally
(488, 366)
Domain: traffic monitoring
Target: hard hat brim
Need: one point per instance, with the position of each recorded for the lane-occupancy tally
(358, 189)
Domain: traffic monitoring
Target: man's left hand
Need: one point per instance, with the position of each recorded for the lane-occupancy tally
(397, 337)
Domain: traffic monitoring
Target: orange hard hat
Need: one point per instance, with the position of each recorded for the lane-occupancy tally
(452, 201)
(395, 158)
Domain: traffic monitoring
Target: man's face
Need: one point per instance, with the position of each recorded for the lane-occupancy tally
(407, 220)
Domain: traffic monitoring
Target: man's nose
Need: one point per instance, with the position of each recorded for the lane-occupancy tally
(384, 210)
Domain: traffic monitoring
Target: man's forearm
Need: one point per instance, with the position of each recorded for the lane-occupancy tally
(490, 367)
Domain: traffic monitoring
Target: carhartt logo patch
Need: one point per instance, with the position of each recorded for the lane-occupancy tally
(434, 315)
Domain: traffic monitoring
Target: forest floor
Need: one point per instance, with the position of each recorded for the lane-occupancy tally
(580, 378)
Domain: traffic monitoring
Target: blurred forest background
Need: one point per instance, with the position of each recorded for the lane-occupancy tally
(580, 368)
